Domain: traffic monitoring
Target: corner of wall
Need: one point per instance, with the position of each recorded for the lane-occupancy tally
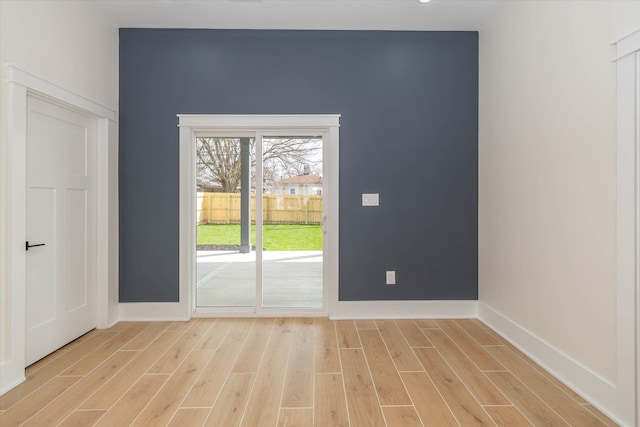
(595, 389)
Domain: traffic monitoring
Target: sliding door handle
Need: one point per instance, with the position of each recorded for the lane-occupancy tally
(27, 245)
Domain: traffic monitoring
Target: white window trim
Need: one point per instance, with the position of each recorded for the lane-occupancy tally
(192, 124)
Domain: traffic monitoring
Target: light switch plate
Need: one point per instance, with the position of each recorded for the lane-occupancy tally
(391, 277)
(372, 199)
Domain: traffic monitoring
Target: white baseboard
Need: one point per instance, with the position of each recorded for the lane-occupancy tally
(597, 390)
(6, 387)
(403, 309)
(341, 310)
(110, 325)
(153, 312)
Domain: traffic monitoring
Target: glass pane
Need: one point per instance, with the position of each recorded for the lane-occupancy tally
(226, 260)
(292, 217)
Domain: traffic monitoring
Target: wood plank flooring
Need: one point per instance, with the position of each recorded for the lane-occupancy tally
(293, 372)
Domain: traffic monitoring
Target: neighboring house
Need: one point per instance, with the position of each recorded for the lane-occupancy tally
(307, 184)
(204, 185)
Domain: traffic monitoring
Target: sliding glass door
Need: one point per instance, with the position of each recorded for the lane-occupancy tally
(260, 217)
(225, 210)
(292, 222)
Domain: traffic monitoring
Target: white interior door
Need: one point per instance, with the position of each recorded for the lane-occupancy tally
(61, 227)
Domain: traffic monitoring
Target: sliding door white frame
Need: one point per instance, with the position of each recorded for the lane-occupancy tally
(258, 126)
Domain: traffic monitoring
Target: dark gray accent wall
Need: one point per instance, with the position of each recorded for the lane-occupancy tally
(409, 126)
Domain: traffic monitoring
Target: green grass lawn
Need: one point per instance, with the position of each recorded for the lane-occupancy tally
(275, 237)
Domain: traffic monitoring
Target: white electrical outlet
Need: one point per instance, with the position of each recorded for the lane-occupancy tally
(391, 277)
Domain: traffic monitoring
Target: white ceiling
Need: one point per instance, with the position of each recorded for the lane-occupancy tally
(300, 14)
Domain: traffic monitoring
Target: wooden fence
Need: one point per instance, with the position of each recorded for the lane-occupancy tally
(224, 208)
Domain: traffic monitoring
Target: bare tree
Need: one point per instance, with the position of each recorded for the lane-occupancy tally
(218, 160)
(291, 156)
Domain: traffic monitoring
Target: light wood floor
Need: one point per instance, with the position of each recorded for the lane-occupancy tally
(293, 372)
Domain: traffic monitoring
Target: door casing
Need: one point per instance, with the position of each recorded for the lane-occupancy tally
(20, 84)
(627, 386)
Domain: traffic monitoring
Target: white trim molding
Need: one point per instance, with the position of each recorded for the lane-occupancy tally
(593, 387)
(627, 45)
(153, 312)
(192, 124)
(464, 309)
(52, 90)
(628, 230)
(19, 85)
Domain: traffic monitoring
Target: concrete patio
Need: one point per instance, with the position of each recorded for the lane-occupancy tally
(291, 279)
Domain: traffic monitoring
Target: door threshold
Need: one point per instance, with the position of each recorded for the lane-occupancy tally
(250, 312)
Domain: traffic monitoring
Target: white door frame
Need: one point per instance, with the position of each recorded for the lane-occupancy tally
(628, 229)
(19, 85)
(193, 124)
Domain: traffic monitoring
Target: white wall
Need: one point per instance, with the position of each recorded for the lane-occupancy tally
(547, 175)
(69, 43)
(72, 45)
